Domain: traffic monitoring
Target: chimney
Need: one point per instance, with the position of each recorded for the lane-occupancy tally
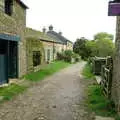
(44, 30)
(60, 33)
(50, 28)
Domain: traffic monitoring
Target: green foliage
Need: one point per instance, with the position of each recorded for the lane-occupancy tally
(101, 46)
(87, 72)
(34, 44)
(103, 35)
(9, 92)
(60, 56)
(104, 47)
(80, 48)
(48, 70)
(67, 56)
(91, 48)
(76, 57)
(98, 103)
(117, 117)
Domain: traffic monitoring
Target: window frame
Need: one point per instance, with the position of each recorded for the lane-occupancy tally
(36, 58)
(8, 6)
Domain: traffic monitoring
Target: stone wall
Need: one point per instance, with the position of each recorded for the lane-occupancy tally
(19, 14)
(116, 69)
(15, 25)
(33, 44)
(69, 45)
(46, 41)
(48, 46)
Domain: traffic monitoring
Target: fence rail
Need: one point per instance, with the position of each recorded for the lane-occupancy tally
(106, 82)
(104, 67)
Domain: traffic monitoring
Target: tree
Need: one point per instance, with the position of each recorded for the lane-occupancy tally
(102, 45)
(80, 48)
(103, 35)
(92, 48)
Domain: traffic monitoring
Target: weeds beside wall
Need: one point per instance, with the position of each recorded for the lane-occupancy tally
(33, 45)
(96, 101)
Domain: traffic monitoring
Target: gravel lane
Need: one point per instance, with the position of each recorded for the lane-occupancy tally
(58, 97)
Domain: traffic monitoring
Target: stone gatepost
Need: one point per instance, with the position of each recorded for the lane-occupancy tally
(116, 68)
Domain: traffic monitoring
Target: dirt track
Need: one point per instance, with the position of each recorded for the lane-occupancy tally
(58, 97)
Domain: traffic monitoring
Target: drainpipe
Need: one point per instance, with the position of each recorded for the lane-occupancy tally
(8, 53)
(53, 49)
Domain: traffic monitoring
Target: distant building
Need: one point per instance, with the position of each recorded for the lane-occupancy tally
(67, 44)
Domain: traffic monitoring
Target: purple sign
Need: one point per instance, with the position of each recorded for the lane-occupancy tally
(114, 9)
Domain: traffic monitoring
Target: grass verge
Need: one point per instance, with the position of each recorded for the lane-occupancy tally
(7, 93)
(48, 70)
(96, 101)
(87, 72)
(99, 104)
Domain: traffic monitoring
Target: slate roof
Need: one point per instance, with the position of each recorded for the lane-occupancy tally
(29, 32)
(53, 35)
(22, 4)
(50, 36)
(59, 38)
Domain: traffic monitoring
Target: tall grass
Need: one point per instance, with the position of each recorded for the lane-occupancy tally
(7, 93)
(87, 72)
(96, 101)
(48, 70)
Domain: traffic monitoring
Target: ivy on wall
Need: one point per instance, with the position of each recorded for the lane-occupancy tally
(33, 44)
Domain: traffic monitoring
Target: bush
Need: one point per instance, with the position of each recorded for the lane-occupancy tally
(76, 57)
(60, 56)
(67, 56)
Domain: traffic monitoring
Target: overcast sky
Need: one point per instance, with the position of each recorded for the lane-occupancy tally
(74, 18)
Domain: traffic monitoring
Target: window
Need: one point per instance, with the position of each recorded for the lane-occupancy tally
(48, 55)
(8, 7)
(36, 58)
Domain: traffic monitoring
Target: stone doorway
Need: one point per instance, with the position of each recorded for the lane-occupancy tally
(8, 60)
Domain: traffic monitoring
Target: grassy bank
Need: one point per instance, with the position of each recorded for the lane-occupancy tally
(87, 72)
(99, 104)
(96, 101)
(48, 70)
(7, 93)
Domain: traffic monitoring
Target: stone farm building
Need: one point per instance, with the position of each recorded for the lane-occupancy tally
(22, 49)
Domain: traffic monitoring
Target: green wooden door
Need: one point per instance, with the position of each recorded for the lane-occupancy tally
(3, 69)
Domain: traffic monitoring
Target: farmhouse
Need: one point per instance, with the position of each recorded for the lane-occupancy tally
(23, 50)
(42, 47)
(12, 43)
(66, 44)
